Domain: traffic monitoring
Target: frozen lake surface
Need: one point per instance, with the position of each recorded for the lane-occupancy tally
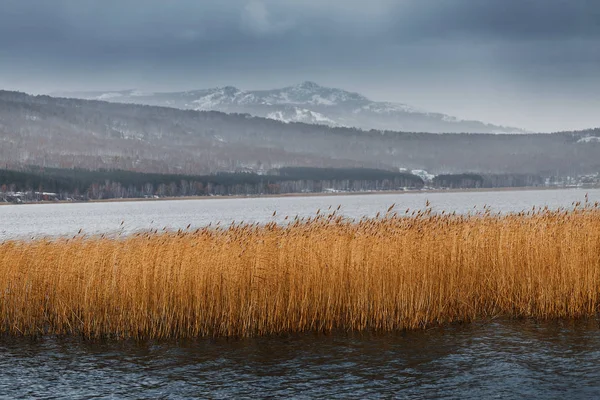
(35, 220)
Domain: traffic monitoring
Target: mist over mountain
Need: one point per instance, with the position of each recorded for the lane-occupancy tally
(306, 102)
(68, 133)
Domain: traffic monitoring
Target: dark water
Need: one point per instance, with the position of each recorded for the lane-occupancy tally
(498, 359)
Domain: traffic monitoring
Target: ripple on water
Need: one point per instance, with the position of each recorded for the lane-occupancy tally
(500, 359)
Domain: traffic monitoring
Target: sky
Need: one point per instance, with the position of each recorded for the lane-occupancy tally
(533, 64)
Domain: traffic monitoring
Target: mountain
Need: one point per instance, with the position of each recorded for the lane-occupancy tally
(307, 102)
(74, 133)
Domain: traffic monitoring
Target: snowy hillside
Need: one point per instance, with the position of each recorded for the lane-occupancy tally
(306, 102)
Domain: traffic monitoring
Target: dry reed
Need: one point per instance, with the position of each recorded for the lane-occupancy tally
(404, 270)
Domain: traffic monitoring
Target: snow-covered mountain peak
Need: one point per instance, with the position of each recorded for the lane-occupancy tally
(311, 93)
(308, 86)
(211, 99)
(229, 90)
(306, 102)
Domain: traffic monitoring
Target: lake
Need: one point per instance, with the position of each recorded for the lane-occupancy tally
(35, 220)
(498, 359)
(486, 359)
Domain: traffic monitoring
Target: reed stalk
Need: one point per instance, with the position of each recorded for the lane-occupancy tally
(401, 270)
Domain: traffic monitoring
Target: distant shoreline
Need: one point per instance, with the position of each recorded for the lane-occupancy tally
(319, 194)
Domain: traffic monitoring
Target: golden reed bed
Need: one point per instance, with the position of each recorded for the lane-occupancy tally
(402, 270)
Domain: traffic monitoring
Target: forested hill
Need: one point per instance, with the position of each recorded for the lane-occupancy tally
(68, 133)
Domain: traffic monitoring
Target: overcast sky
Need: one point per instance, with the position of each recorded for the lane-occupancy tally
(533, 64)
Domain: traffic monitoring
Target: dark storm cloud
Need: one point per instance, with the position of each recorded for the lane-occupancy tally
(507, 19)
(535, 45)
(71, 26)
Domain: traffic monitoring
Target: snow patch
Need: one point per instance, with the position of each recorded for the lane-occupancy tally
(316, 99)
(421, 173)
(589, 139)
(221, 96)
(388, 108)
(278, 115)
(108, 96)
(245, 98)
(301, 115)
(318, 117)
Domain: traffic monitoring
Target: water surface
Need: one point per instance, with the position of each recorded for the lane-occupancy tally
(499, 359)
(493, 359)
(25, 221)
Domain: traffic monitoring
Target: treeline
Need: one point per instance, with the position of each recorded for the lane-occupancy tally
(465, 181)
(307, 179)
(36, 183)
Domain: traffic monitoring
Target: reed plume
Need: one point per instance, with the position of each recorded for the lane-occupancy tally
(397, 271)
